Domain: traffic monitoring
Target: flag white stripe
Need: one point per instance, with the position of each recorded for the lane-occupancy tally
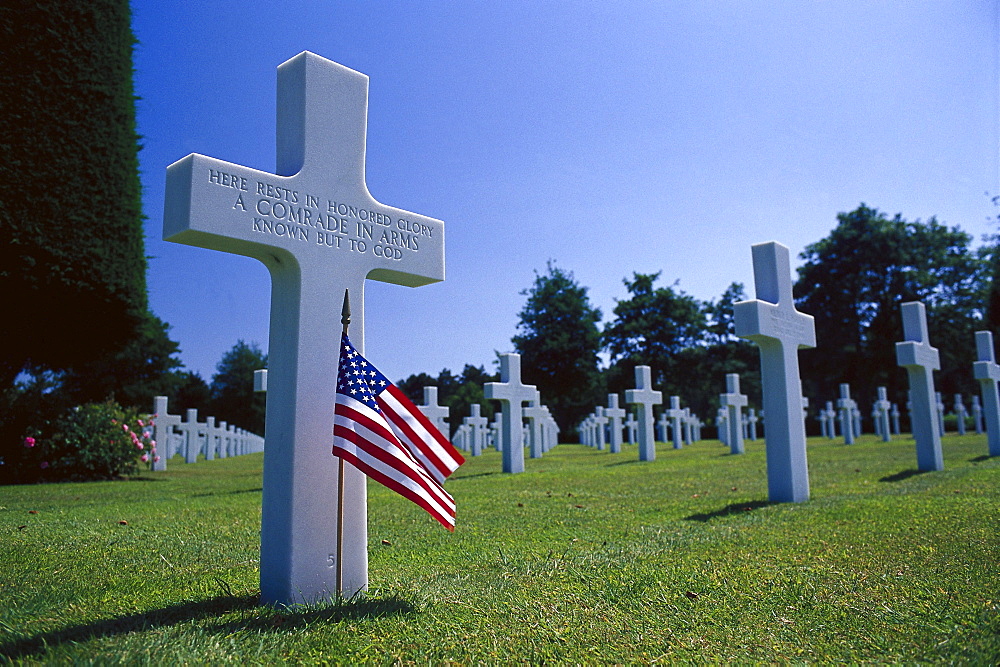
(429, 440)
(402, 468)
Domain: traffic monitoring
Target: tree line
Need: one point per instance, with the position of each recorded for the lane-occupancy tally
(852, 282)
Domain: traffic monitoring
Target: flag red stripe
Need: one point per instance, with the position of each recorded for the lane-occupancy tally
(445, 519)
(411, 472)
(448, 454)
(377, 443)
(424, 439)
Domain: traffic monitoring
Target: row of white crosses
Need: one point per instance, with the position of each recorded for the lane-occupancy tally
(606, 424)
(189, 437)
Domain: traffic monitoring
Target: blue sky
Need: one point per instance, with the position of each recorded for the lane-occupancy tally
(611, 138)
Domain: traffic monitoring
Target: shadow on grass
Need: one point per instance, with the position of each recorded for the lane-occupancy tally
(255, 618)
(900, 476)
(452, 480)
(980, 459)
(728, 510)
(624, 463)
(292, 618)
(227, 493)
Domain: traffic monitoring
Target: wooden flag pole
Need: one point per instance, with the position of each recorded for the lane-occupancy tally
(346, 321)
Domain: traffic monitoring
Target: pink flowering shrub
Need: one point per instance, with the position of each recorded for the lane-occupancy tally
(93, 441)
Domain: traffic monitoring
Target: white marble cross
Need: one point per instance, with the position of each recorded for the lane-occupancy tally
(882, 408)
(916, 355)
(163, 430)
(535, 413)
(478, 425)
(599, 421)
(977, 414)
(939, 404)
(960, 413)
(192, 439)
(987, 372)
(846, 405)
(631, 426)
(675, 413)
(616, 417)
(318, 230)
(644, 396)
(752, 419)
(734, 403)
(434, 412)
(779, 330)
(511, 393)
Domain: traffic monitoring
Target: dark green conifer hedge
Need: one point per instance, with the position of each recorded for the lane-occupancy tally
(72, 262)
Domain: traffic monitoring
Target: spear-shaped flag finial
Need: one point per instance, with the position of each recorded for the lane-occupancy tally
(346, 312)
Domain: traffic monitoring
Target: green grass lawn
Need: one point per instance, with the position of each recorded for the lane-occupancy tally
(587, 557)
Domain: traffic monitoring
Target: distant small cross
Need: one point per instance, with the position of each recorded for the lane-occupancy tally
(987, 372)
(645, 396)
(675, 413)
(478, 425)
(847, 406)
(734, 402)
(616, 417)
(434, 412)
(535, 413)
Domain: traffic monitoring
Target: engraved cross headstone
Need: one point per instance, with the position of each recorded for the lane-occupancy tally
(645, 397)
(511, 393)
(987, 372)
(318, 230)
(916, 355)
(779, 330)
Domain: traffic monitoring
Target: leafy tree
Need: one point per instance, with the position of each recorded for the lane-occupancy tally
(413, 386)
(456, 392)
(233, 397)
(143, 368)
(700, 370)
(652, 327)
(191, 392)
(559, 341)
(853, 283)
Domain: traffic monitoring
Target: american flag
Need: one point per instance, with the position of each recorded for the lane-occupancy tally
(381, 433)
